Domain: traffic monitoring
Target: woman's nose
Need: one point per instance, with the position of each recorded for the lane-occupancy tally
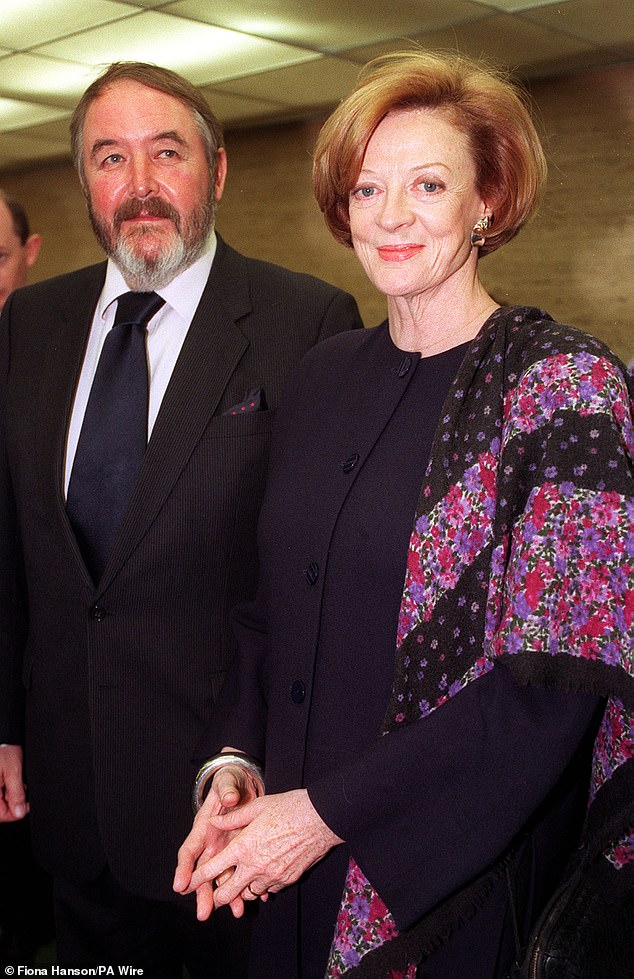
(396, 210)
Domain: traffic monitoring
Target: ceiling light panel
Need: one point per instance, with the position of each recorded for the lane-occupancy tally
(202, 52)
(45, 80)
(31, 22)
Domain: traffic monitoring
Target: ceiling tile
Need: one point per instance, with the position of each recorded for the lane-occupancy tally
(273, 59)
(49, 80)
(615, 25)
(512, 6)
(317, 83)
(232, 108)
(151, 4)
(508, 41)
(204, 53)
(16, 115)
(31, 22)
(330, 25)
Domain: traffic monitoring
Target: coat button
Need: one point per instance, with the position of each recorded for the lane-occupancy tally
(97, 613)
(312, 573)
(350, 462)
(298, 692)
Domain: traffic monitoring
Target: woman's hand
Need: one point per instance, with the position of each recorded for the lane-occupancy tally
(232, 787)
(273, 841)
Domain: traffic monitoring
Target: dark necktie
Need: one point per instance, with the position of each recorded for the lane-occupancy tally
(113, 435)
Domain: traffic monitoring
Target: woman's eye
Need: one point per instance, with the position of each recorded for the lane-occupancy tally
(429, 186)
(363, 193)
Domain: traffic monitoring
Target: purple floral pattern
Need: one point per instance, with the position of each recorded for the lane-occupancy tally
(621, 853)
(614, 745)
(522, 548)
(364, 923)
(569, 583)
(446, 540)
(579, 382)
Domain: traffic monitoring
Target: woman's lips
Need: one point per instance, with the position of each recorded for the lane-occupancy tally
(398, 253)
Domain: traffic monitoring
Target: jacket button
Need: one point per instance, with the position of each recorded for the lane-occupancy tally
(97, 613)
(298, 692)
(350, 462)
(312, 573)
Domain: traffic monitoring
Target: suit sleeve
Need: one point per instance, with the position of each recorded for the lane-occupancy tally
(239, 716)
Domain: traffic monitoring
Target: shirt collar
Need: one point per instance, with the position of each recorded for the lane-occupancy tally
(182, 293)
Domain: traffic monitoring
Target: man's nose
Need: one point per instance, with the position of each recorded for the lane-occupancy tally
(143, 182)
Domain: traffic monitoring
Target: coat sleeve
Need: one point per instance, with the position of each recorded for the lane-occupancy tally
(432, 805)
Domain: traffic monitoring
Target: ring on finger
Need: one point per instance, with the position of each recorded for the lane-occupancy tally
(251, 891)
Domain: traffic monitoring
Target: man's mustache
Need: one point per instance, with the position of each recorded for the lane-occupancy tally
(153, 207)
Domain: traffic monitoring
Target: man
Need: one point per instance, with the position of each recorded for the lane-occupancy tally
(125, 636)
(18, 247)
(25, 917)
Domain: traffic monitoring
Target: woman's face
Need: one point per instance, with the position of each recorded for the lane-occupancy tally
(415, 203)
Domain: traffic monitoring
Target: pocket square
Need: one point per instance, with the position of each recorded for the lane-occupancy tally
(254, 401)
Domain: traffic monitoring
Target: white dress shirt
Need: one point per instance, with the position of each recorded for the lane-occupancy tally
(166, 333)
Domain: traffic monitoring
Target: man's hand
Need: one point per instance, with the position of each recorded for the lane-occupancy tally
(13, 804)
(280, 837)
(231, 788)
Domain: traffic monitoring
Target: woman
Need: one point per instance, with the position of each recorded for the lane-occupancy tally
(442, 728)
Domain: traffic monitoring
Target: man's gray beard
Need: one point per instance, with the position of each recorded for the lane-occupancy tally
(146, 274)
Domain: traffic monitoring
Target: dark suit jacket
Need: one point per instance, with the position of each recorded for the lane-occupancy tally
(120, 678)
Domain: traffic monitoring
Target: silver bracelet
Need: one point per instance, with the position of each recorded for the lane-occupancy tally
(213, 765)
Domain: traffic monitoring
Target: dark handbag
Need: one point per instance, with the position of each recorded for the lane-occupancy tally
(586, 930)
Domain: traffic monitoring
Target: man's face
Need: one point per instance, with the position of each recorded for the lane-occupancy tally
(150, 196)
(15, 258)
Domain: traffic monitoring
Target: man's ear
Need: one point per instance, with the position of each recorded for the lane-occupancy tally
(221, 172)
(32, 248)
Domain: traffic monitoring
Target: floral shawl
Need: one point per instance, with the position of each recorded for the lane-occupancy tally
(522, 550)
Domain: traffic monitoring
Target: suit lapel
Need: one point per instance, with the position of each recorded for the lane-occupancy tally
(210, 354)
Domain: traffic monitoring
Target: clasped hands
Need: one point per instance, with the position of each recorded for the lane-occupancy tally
(243, 847)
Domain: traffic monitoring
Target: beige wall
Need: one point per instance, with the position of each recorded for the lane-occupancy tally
(574, 260)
